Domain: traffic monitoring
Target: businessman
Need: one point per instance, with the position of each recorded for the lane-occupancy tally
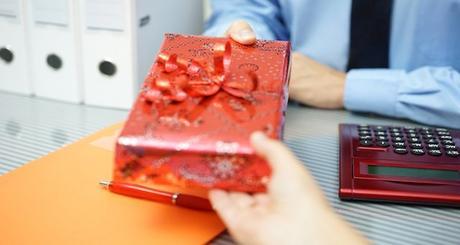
(397, 58)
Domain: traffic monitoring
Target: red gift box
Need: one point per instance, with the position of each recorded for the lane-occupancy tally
(202, 99)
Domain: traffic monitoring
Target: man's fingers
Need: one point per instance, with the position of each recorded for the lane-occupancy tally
(225, 207)
(279, 156)
(262, 199)
(289, 177)
(241, 32)
(243, 200)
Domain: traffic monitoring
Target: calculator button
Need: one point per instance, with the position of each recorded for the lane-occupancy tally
(433, 146)
(452, 153)
(364, 132)
(435, 152)
(447, 142)
(380, 128)
(396, 134)
(414, 140)
(417, 151)
(445, 137)
(395, 130)
(428, 136)
(411, 131)
(440, 129)
(365, 137)
(423, 132)
(363, 128)
(450, 147)
(400, 150)
(382, 138)
(399, 144)
(443, 133)
(412, 135)
(416, 146)
(397, 139)
(409, 128)
(431, 141)
(365, 142)
(380, 133)
(382, 143)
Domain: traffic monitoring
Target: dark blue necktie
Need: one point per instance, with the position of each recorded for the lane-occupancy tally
(369, 34)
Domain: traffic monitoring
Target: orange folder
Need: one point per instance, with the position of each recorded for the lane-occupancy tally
(57, 200)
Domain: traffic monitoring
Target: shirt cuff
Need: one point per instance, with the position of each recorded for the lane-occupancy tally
(373, 90)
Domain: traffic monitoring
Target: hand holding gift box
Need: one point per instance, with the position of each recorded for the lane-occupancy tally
(202, 99)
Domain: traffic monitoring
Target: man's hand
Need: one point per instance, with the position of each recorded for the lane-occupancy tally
(241, 32)
(315, 84)
(311, 83)
(293, 211)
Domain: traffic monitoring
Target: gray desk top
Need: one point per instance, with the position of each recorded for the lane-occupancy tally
(31, 127)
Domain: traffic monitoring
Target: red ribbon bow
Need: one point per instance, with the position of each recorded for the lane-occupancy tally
(180, 78)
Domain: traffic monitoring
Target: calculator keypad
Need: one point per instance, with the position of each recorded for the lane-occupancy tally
(413, 140)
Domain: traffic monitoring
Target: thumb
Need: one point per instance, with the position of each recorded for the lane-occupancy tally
(241, 32)
(289, 178)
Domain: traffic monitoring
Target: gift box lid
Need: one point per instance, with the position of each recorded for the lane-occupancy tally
(220, 122)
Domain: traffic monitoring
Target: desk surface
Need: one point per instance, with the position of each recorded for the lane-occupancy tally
(31, 127)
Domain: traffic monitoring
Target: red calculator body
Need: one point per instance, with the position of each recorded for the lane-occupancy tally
(399, 164)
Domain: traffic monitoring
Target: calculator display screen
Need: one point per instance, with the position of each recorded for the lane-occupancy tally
(414, 172)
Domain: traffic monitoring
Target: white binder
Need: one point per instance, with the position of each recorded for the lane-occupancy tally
(54, 46)
(120, 39)
(14, 72)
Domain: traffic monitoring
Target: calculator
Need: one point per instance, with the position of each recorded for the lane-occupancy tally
(399, 164)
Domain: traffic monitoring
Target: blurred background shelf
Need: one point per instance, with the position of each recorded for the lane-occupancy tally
(31, 127)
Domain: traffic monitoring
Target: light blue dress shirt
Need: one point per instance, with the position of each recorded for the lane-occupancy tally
(423, 81)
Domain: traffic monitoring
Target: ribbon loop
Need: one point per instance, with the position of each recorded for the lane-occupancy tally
(180, 78)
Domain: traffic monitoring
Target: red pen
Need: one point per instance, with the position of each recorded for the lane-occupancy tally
(138, 191)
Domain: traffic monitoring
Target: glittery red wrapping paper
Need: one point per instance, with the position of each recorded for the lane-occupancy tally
(204, 141)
